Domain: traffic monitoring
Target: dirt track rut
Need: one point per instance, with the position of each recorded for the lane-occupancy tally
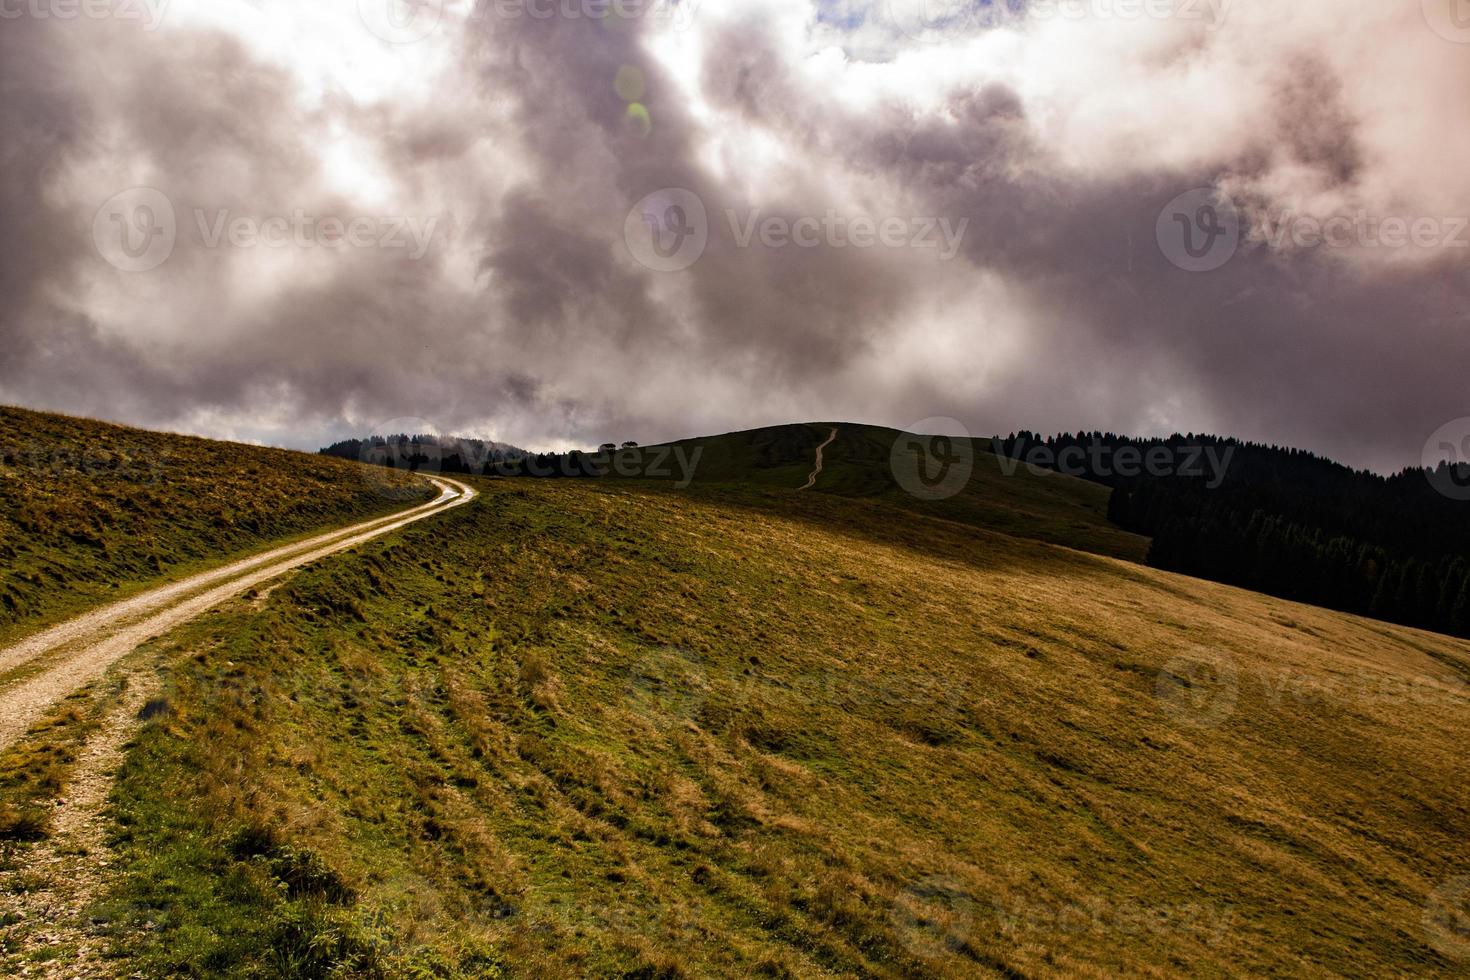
(43, 669)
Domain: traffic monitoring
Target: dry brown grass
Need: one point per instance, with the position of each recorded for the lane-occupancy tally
(585, 729)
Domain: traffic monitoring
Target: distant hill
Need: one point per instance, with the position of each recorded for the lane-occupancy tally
(1274, 520)
(430, 453)
(744, 465)
(861, 464)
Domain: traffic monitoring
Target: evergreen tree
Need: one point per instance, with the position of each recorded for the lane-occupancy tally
(1460, 619)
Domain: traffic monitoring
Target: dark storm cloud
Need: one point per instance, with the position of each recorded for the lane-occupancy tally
(528, 314)
(1312, 123)
(220, 134)
(1292, 348)
(1299, 348)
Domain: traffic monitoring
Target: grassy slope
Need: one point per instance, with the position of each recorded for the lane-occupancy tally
(1047, 507)
(90, 512)
(607, 728)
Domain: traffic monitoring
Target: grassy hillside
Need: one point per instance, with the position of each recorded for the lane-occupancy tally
(606, 728)
(90, 512)
(859, 464)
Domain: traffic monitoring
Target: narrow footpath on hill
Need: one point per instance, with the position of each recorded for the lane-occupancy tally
(811, 481)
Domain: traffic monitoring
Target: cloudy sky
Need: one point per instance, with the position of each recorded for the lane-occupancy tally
(556, 222)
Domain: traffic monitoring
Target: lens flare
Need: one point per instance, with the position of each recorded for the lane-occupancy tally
(637, 120)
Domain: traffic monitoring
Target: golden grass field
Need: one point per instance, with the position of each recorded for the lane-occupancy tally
(613, 729)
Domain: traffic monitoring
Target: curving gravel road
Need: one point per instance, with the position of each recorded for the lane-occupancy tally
(43, 669)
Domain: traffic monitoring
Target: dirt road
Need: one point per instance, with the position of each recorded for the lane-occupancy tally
(41, 670)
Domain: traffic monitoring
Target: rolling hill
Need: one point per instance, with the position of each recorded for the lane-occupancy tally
(860, 465)
(92, 512)
(615, 728)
